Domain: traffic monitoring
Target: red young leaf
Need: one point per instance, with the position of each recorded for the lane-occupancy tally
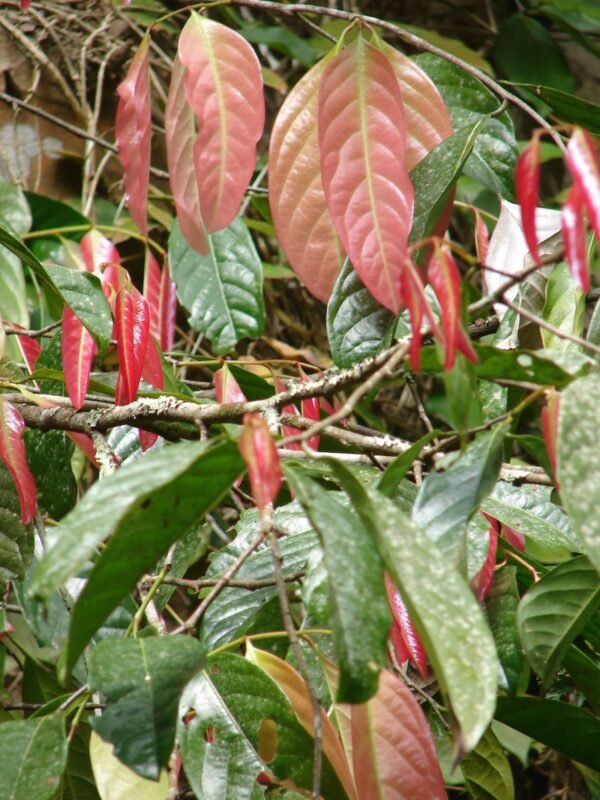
(30, 348)
(415, 300)
(25, 5)
(403, 626)
(482, 581)
(527, 182)
(223, 86)
(86, 444)
(444, 276)
(393, 753)
(180, 130)
(550, 426)
(262, 460)
(133, 131)
(12, 453)
(311, 409)
(573, 230)
(97, 250)
(227, 388)
(288, 430)
(77, 356)
(482, 238)
(159, 291)
(362, 143)
(513, 537)
(132, 324)
(584, 165)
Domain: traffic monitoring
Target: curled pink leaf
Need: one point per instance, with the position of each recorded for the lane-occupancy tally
(132, 327)
(288, 430)
(262, 460)
(573, 229)
(223, 86)
(444, 276)
(549, 418)
(584, 165)
(413, 295)
(362, 143)
(482, 581)
(482, 238)
(97, 250)
(133, 132)
(77, 356)
(12, 453)
(527, 182)
(160, 294)
(404, 632)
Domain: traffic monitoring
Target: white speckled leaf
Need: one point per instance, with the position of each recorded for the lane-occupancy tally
(579, 461)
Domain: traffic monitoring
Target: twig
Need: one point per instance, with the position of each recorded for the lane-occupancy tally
(232, 583)
(571, 337)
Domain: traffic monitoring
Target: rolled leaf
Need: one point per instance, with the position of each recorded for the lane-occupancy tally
(482, 581)
(414, 297)
(584, 165)
(262, 460)
(133, 131)
(362, 143)
(132, 325)
(223, 86)
(12, 453)
(227, 388)
(445, 279)
(573, 230)
(549, 419)
(527, 183)
(161, 296)
(77, 354)
(403, 624)
(97, 250)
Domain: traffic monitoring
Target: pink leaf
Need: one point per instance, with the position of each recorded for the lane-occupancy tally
(549, 419)
(159, 291)
(527, 182)
(362, 142)
(25, 5)
(294, 687)
(403, 625)
(296, 196)
(311, 409)
(415, 300)
(97, 250)
(12, 453)
(85, 444)
(133, 132)
(584, 165)
(482, 581)
(77, 357)
(513, 537)
(180, 129)
(152, 371)
(132, 326)
(573, 230)
(393, 752)
(445, 279)
(482, 238)
(223, 86)
(29, 347)
(262, 460)
(227, 388)
(288, 430)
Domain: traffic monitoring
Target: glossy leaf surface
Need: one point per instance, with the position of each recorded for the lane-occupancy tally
(160, 294)
(501, 608)
(362, 144)
(554, 611)
(133, 131)
(584, 164)
(259, 451)
(527, 179)
(142, 680)
(16, 539)
(132, 324)
(573, 230)
(221, 290)
(34, 753)
(78, 354)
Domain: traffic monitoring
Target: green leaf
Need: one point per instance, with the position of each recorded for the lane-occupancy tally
(78, 779)
(501, 608)
(281, 40)
(153, 500)
(397, 469)
(554, 611)
(529, 511)
(526, 53)
(49, 214)
(564, 727)
(33, 753)
(579, 461)
(16, 541)
(13, 298)
(495, 153)
(235, 609)
(361, 615)
(15, 213)
(142, 681)
(357, 325)
(56, 487)
(447, 500)
(586, 674)
(223, 290)
(564, 309)
(567, 107)
(487, 770)
(448, 619)
(234, 703)
(435, 176)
